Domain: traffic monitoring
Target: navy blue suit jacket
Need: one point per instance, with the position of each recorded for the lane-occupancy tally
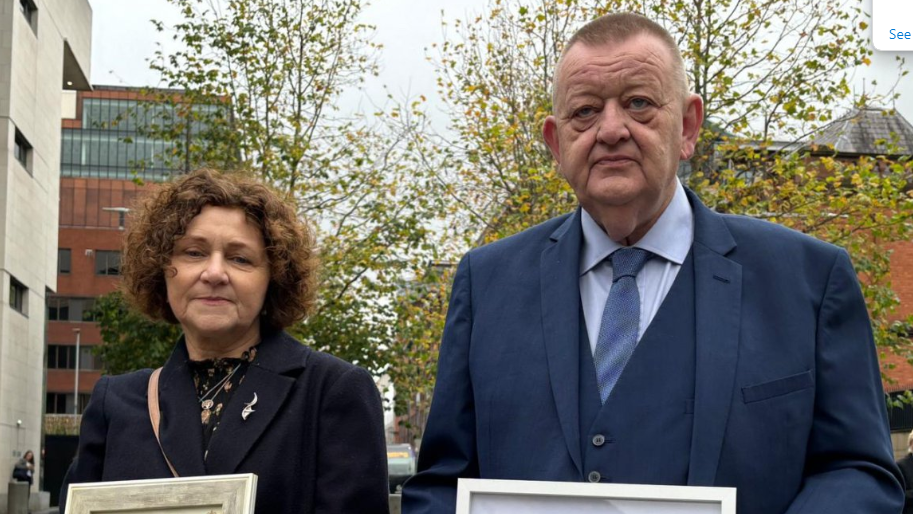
(788, 403)
(315, 439)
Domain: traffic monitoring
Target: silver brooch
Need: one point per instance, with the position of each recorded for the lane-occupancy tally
(247, 408)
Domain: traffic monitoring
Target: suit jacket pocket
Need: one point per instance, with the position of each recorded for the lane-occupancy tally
(778, 387)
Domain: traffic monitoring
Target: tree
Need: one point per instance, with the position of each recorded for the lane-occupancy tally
(495, 75)
(494, 78)
(765, 68)
(421, 311)
(259, 84)
(132, 341)
(770, 69)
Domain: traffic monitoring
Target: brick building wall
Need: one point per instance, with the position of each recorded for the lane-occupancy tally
(86, 229)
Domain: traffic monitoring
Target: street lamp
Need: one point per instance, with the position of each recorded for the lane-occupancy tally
(76, 389)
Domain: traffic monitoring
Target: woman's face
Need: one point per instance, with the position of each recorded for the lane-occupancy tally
(219, 277)
(28, 456)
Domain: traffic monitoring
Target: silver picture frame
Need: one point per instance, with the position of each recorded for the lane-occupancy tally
(475, 496)
(216, 494)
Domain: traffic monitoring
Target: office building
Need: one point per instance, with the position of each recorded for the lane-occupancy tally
(45, 48)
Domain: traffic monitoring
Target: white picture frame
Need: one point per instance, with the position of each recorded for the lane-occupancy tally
(475, 496)
(215, 494)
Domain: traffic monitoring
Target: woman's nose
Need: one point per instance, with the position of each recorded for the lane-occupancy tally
(214, 272)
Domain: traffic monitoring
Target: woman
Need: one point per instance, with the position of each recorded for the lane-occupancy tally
(230, 262)
(24, 468)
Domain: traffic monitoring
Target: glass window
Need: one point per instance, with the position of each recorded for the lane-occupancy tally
(66, 147)
(52, 358)
(58, 308)
(107, 262)
(87, 359)
(62, 403)
(121, 139)
(83, 401)
(63, 308)
(22, 151)
(18, 296)
(55, 403)
(62, 356)
(63, 261)
(85, 310)
(19, 152)
(30, 11)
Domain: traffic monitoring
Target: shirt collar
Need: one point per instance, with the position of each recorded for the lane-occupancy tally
(670, 238)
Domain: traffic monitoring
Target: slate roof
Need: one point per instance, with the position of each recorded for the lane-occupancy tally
(856, 133)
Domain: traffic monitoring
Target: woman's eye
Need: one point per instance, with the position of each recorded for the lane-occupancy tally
(240, 260)
(193, 253)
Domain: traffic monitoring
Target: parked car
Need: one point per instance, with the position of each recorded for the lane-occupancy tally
(400, 465)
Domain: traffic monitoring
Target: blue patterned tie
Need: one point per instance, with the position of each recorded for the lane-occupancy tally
(620, 318)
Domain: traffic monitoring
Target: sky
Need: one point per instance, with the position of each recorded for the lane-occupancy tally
(123, 39)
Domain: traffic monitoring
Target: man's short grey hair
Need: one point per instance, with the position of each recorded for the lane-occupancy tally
(618, 28)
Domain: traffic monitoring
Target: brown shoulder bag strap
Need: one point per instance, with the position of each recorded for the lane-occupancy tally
(154, 414)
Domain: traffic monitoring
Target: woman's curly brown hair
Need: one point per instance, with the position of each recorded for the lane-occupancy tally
(163, 217)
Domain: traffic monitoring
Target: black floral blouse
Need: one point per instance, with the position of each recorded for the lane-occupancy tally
(216, 380)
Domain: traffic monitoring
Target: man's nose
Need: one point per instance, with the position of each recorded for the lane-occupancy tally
(215, 272)
(613, 125)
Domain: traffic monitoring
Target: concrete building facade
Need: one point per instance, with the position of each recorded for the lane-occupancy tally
(45, 48)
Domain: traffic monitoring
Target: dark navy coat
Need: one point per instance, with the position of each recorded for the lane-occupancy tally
(315, 440)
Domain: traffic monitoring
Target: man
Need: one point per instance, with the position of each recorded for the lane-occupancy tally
(754, 365)
(906, 470)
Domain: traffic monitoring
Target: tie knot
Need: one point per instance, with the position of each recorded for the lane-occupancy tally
(627, 262)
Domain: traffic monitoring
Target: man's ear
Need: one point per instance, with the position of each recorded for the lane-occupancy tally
(692, 121)
(550, 134)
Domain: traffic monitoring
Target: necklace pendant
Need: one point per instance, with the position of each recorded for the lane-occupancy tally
(204, 416)
(207, 404)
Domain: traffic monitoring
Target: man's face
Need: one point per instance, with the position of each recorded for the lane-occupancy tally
(621, 124)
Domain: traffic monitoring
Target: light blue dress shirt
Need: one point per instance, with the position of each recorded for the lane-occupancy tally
(669, 240)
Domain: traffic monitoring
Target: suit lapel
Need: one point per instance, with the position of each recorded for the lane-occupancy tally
(271, 377)
(718, 291)
(180, 429)
(559, 280)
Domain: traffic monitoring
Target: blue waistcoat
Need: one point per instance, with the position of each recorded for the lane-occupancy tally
(647, 418)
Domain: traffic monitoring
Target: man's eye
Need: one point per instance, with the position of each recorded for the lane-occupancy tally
(639, 103)
(584, 112)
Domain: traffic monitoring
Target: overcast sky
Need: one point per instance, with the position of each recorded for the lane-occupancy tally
(123, 39)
